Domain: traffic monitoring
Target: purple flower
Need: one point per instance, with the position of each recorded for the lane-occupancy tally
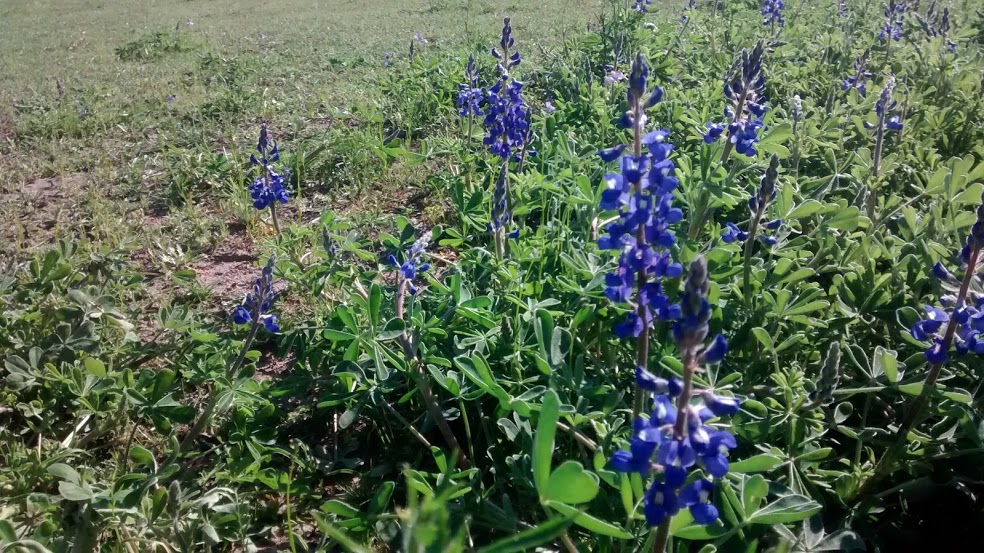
(697, 496)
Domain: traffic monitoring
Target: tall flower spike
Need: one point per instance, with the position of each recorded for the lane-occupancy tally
(859, 79)
(642, 193)
(508, 130)
(745, 104)
(268, 187)
(256, 305)
(772, 13)
(470, 95)
(886, 120)
(894, 20)
(412, 266)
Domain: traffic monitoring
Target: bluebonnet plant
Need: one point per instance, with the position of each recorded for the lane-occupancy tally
(757, 205)
(772, 13)
(507, 124)
(470, 95)
(687, 11)
(886, 120)
(255, 308)
(894, 20)
(858, 81)
(937, 25)
(642, 193)
(745, 107)
(254, 311)
(268, 188)
(842, 8)
(961, 327)
(642, 6)
(956, 326)
(676, 434)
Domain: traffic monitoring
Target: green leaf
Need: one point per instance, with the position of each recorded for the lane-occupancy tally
(589, 522)
(762, 462)
(95, 367)
(340, 508)
(75, 492)
(394, 329)
(381, 499)
(886, 362)
(142, 456)
(806, 209)
(543, 441)
(532, 538)
(815, 455)
(764, 338)
(753, 491)
(788, 508)
(375, 300)
(570, 483)
(65, 472)
(683, 526)
(338, 535)
(338, 335)
(7, 533)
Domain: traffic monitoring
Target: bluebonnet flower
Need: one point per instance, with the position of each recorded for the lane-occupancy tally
(548, 107)
(945, 30)
(678, 436)
(687, 10)
(642, 6)
(470, 95)
(506, 120)
(256, 305)
(412, 266)
(745, 108)
(642, 193)
(387, 59)
(842, 8)
(697, 497)
(860, 77)
(757, 205)
(714, 131)
(937, 25)
(772, 12)
(268, 188)
(966, 316)
(419, 37)
(894, 20)
(614, 76)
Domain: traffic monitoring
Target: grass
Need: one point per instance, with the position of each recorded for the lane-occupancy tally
(146, 103)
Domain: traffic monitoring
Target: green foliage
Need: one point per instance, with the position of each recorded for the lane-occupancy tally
(328, 435)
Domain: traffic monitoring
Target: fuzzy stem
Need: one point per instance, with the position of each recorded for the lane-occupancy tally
(919, 403)
(423, 381)
(747, 262)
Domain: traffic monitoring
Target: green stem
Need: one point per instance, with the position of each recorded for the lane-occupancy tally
(887, 460)
(746, 275)
(213, 400)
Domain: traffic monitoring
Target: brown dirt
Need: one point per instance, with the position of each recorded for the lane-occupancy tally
(38, 211)
(230, 270)
(270, 366)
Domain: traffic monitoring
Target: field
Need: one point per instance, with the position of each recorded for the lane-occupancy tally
(482, 275)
